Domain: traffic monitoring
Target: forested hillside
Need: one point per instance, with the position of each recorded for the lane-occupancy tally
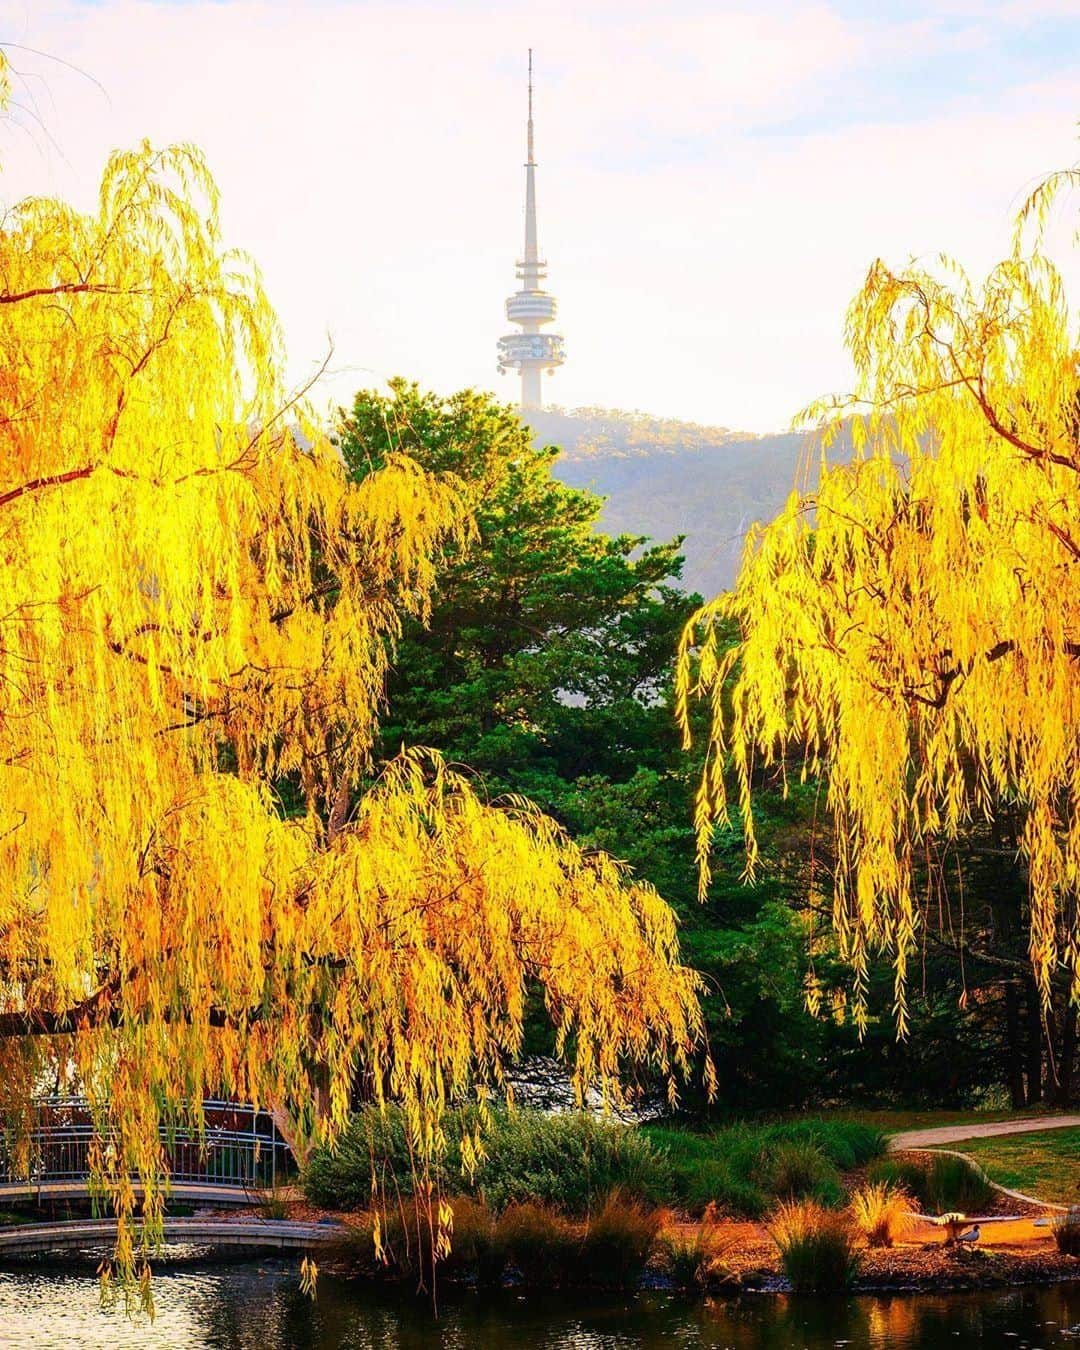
(663, 478)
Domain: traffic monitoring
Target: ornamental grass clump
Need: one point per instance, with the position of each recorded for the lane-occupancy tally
(941, 1182)
(698, 1261)
(618, 1242)
(902, 1174)
(538, 1245)
(816, 1245)
(474, 1248)
(959, 1183)
(1066, 1230)
(882, 1212)
(798, 1170)
(412, 1240)
(741, 1167)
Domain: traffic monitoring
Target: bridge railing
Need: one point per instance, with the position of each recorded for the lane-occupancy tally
(239, 1147)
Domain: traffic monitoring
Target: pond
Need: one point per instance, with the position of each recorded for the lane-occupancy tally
(259, 1307)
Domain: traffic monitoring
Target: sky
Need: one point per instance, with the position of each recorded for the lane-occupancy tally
(714, 180)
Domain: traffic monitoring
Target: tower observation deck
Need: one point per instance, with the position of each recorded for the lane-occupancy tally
(531, 351)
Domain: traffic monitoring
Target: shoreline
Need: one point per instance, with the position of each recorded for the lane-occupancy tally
(735, 1257)
(751, 1269)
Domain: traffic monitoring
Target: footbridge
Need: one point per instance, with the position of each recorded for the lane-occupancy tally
(238, 1154)
(183, 1239)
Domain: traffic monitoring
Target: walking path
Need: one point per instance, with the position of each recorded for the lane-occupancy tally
(952, 1134)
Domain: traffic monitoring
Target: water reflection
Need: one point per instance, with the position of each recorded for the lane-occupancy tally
(259, 1307)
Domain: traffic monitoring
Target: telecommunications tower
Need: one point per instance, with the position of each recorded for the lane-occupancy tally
(531, 352)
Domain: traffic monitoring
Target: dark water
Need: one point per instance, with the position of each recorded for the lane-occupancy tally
(258, 1307)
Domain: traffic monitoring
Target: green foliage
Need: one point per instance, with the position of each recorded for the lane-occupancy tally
(571, 1161)
(846, 1143)
(708, 1170)
(817, 1247)
(1066, 1229)
(547, 667)
(944, 1182)
(901, 1174)
(955, 1183)
(548, 641)
(742, 1168)
(372, 1154)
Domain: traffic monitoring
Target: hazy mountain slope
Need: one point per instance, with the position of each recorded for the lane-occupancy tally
(663, 478)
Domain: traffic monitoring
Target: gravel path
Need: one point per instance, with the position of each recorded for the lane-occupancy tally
(952, 1134)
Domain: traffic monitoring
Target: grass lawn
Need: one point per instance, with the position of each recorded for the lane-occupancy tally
(1045, 1165)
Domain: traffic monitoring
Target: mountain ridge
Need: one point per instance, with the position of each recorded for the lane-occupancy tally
(662, 477)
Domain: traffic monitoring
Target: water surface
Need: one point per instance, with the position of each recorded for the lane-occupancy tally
(259, 1307)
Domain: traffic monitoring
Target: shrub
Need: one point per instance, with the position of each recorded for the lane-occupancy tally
(618, 1242)
(881, 1212)
(571, 1161)
(404, 1240)
(845, 1143)
(539, 1243)
(1066, 1229)
(816, 1245)
(408, 1233)
(340, 1177)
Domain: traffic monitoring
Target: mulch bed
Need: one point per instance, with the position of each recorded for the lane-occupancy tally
(937, 1267)
(751, 1259)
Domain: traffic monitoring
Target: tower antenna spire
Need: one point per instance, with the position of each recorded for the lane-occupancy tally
(531, 352)
(531, 160)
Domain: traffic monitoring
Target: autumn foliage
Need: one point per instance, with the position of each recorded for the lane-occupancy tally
(195, 604)
(909, 631)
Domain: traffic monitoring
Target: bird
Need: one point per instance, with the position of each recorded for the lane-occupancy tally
(972, 1235)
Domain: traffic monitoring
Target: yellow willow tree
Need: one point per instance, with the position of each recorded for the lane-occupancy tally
(911, 629)
(194, 603)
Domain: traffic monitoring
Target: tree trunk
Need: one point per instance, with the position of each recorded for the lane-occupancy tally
(1063, 1095)
(1013, 1048)
(1034, 1045)
(286, 1127)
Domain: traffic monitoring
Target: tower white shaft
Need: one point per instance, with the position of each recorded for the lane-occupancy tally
(531, 351)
